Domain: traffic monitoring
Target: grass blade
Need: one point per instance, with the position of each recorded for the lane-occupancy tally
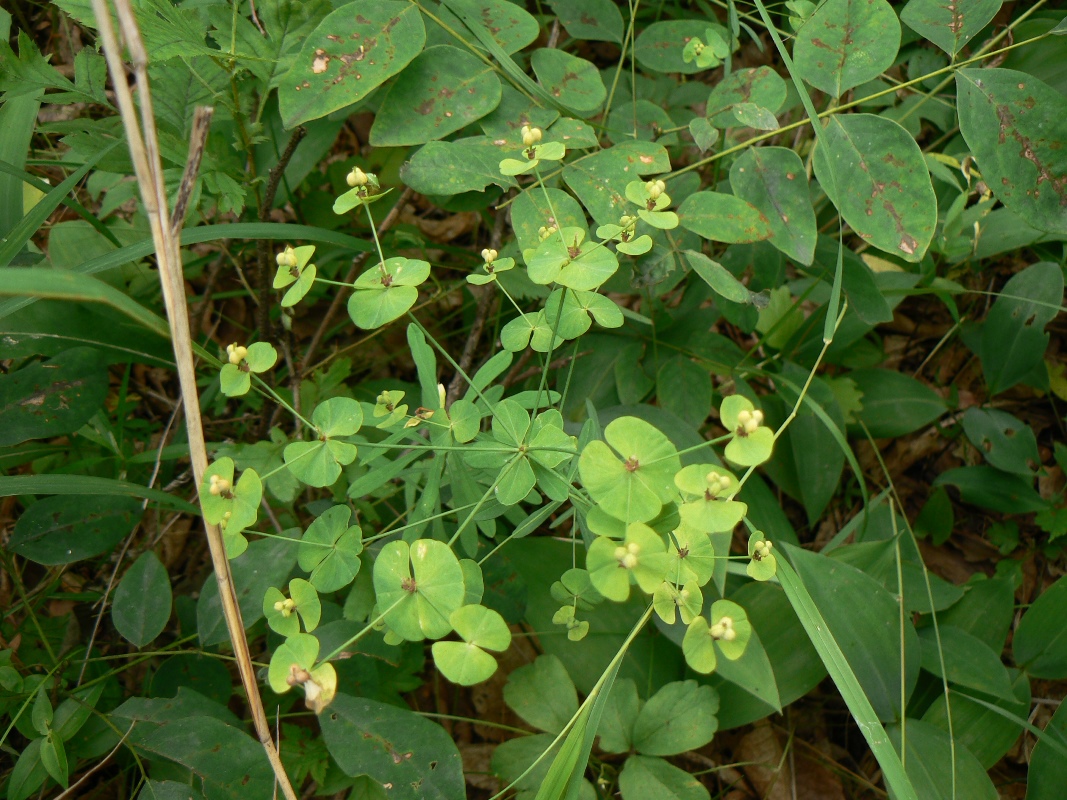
(13, 485)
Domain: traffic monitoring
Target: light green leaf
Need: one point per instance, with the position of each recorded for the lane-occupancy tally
(680, 716)
(386, 291)
(330, 550)
(418, 587)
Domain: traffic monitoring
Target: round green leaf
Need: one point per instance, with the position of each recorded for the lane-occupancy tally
(481, 626)
(278, 620)
(846, 43)
(386, 291)
(763, 565)
(634, 476)
(352, 52)
(575, 82)
(418, 587)
(442, 90)
(592, 20)
(643, 776)
(330, 550)
(508, 23)
(949, 25)
(641, 555)
(261, 356)
(234, 381)
(732, 649)
(142, 603)
(680, 716)
(874, 172)
(542, 693)
(463, 663)
(691, 556)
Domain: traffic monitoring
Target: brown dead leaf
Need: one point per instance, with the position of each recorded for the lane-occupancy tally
(762, 751)
(477, 766)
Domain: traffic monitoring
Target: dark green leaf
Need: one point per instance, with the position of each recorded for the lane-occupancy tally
(455, 167)
(592, 20)
(1040, 643)
(968, 661)
(723, 217)
(1007, 442)
(774, 181)
(142, 601)
(68, 528)
(895, 404)
(52, 398)
(1048, 767)
(760, 86)
(949, 25)
(644, 777)
(990, 488)
(575, 82)
(393, 746)
(928, 752)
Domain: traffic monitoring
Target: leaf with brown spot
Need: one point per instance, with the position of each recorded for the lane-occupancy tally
(353, 51)
(441, 91)
(52, 398)
(846, 43)
(875, 174)
(949, 24)
(1016, 126)
(773, 179)
(721, 217)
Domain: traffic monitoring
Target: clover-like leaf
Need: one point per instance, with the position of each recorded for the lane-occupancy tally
(631, 475)
(567, 259)
(728, 633)
(670, 601)
(418, 587)
(763, 565)
(318, 463)
(297, 652)
(641, 555)
(752, 443)
(235, 376)
(284, 613)
(386, 291)
(466, 663)
(636, 247)
(708, 490)
(515, 166)
(232, 508)
(576, 587)
(691, 556)
(330, 550)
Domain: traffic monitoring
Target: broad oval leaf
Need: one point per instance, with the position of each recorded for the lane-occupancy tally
(67, 528)
(142, 601)
(352, 52)
(773, 179)
(846, 43)
(895, 404)
(874, 172)
(760, 86)
(447, 168)
(592, 20)
(1015, 126)
(643, 776)
(442, 90)
(721, 217)
(575, 82)
(949, 25)
(600, 180)
(679, 717)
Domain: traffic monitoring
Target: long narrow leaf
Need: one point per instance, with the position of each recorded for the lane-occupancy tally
(11, 485)
(206, 233)
(29, 224)
(845, 680)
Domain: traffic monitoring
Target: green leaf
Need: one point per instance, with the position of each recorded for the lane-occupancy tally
(659, 46)
(1048, 767)
(29, 773)
(330, 550)
(617, 723)
(442, 90)
(1013, 338)
(575, 82)
(968, 661)
(761, 86)
(928, 755)
(54, 758)
(542, 694)
(300, 649)
(42, 713)
(447, 168)
(895, 404)
(142, 603)
(266, 563)
(567, 259)
(466, 663)
(1040, 641)
(418, 587)
(874, 172)
(722, 217)
(233, 508)
(1014, 124)
(718, 278)
(644, 777)
(538, 209)
(634, 476)
(51, 398)
(299, 290)
(949, 25)
(677, 718)
(68, 528)
(303, 601)
(352, 52)
(318, 463)
(990, 488)
(599, 180)
(854, 607)
(386, 291)
(366, 737)
(846, 43)
(641, 555)
(774, 181)
(592, 20)
(1007, 442)
(511, 26)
